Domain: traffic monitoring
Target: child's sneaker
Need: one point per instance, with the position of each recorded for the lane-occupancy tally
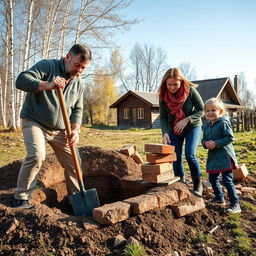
(217, 201)
(235, 208)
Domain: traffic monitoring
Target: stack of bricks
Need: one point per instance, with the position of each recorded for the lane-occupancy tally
(159, 167)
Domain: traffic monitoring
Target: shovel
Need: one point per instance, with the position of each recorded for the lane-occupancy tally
(85, 201)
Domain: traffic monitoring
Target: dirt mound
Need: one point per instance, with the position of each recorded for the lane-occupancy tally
(50, 229)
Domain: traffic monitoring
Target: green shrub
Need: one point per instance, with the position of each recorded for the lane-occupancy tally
(134, 249)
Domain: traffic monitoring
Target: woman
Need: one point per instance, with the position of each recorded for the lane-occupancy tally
(181, 109)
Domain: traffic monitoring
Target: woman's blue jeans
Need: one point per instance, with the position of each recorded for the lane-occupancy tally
(192, 138)
(227, 178)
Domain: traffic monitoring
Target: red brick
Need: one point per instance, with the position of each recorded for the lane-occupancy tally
(110, 214)
(160, 158)
(137, 158)
(157, 178)
(187, 207)
(167, 197)
(142, 203)
(156, 168)
(250, 190)
(240, 173)
(128, 150)
(159, 148)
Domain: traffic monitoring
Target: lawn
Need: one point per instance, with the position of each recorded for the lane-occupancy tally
(12, 148)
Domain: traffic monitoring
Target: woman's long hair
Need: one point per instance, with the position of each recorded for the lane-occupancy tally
(177, 74)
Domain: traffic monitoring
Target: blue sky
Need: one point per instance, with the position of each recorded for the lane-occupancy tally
(217, 37)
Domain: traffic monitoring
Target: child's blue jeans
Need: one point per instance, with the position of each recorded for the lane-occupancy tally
(192, 138)
(227, 178)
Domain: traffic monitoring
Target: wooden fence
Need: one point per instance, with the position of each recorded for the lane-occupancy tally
(243, 121)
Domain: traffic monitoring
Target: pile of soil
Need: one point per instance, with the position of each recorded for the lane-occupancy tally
(49, 228)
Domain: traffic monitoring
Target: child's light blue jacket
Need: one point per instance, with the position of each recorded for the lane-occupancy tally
(220, 132)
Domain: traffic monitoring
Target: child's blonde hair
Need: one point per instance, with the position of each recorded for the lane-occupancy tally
(218, 104)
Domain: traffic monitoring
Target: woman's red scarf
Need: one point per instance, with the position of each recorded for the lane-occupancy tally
(175, 103)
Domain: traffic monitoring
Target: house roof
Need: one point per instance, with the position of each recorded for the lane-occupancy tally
(212, 88)
(209, 88)
(149, 98)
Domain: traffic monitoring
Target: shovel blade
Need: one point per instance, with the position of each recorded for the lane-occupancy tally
(84, 202)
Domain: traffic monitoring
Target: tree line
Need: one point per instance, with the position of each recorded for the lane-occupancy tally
(36, 29)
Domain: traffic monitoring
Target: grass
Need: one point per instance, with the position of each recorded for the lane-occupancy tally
(134, 249)
(12, 147)
(242, 243)
(201, 238)
(248, 206)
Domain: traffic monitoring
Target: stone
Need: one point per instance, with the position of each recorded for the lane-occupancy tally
(118, 241)
(142, 203)
(187, 207)
(110, 214)
(90, 225)
(167, 197)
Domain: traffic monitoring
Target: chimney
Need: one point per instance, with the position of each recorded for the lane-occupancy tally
(236, 83)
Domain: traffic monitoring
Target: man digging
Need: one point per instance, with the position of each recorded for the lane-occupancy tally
(42, 121)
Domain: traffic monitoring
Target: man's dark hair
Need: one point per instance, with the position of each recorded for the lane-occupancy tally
(85, 52)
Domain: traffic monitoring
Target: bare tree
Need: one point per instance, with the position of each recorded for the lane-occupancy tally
(188, 71)
(34, 29)
(61, 45)
(98, 20)
(247, 97)
(148, 64)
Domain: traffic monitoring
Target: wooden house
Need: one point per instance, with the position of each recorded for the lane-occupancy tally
(141, 109)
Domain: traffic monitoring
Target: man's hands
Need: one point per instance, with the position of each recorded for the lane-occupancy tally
(210, 144)
(74, 138)
(56, 82)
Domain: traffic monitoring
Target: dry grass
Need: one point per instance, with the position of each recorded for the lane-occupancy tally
(12, 147)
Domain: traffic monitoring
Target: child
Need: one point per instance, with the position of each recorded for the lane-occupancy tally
(217, 138)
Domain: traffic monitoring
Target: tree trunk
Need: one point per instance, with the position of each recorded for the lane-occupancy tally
(3, 103)
(51, 29)
(12, 124)
(61, 46)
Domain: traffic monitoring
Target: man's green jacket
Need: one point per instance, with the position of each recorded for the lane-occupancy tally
(43, 106)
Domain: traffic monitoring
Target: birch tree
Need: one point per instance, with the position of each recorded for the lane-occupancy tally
(9, 22)
(62, 42)
(36, 29)
(99, 19)
(26, 58)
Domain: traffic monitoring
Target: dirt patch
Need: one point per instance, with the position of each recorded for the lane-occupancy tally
(50, 229)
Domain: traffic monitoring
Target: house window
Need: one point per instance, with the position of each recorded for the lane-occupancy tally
(222, 95)
(140, 113)
(126, 113)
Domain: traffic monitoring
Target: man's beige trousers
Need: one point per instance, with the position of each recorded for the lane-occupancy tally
(35, 139)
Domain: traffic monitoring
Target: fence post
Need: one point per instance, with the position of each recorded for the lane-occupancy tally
(243, 118)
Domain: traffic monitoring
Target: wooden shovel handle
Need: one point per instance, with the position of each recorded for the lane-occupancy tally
(68, 130)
